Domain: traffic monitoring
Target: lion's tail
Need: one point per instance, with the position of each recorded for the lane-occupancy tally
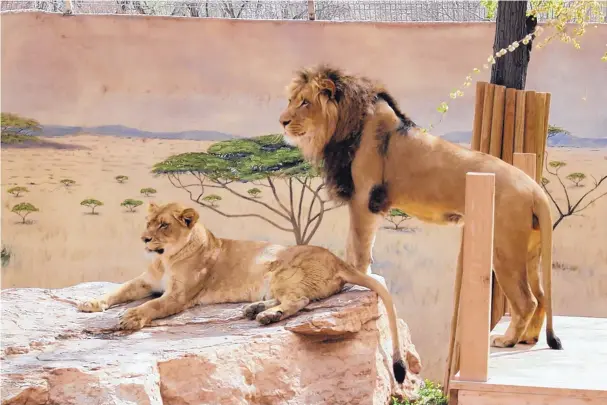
(350, 275)
(541, 209)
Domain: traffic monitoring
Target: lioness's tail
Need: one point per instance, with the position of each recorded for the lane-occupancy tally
(541, 209)
(350, 275)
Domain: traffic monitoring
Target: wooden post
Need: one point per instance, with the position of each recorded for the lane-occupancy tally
(311, 10)
(519, 126)
(509, 125)
(478, 115)
(526, 162)
(497, 121)
(476, 277)
(67, 7)
(485, 141)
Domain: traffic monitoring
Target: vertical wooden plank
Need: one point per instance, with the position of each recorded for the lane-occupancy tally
(311, 10)
(540, 134)
(476, 278)
(508, 137)
(475, 143)
(525, 162)
(530, 122)
(519, 122)
(487, 114)
(542, 153)
(497, 121)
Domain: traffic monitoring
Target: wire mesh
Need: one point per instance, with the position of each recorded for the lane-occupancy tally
(327, 10)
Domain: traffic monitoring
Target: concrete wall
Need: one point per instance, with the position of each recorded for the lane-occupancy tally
(173, 74)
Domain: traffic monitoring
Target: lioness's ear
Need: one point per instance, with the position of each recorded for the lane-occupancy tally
(188, 217)
(328, 87)
(152, 208)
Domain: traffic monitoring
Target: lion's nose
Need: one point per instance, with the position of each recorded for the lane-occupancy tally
(285, 122)
(146, 239)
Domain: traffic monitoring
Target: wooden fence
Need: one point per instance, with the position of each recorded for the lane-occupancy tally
(508, 122)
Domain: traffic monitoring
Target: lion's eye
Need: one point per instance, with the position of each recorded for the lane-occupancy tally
(304, 103)
(163, 225)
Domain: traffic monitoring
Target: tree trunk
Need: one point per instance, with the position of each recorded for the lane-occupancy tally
(511, 25)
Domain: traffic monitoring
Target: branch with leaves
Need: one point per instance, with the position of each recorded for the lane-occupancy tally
(265, 161)
(576, 13)
(571, 207)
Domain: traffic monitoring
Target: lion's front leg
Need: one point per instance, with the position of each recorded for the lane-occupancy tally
(361, 236)
(132, 290)
(175, 299)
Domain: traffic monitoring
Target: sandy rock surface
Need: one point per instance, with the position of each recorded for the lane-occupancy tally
(336, 352)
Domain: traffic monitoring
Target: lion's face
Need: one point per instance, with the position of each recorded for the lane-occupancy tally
(310, 117)
(168, 227)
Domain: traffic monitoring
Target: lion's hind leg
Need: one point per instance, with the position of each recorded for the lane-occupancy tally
(288, 306)
(510, 265)
(532, 334)
(251, 310)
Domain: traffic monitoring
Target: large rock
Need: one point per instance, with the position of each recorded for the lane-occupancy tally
(336, 352)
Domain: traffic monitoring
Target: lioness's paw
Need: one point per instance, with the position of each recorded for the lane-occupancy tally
(132, 319)
(501, 341)
(93, 306)
(251, 310)
(267, 317)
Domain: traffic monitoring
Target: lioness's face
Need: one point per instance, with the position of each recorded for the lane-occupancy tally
(310, 116)
(168, 227)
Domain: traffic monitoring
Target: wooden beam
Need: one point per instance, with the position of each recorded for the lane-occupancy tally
(530, 122)
(519, 122)
(525, 162)
(497, 121)
(487, 114)
(509, 124)
(475, 143)
(311, 10)
(476, 278)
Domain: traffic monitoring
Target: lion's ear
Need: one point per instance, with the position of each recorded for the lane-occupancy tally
(188, 217)
(152, 208)
(328, 87)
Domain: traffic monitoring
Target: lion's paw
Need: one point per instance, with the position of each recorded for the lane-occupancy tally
(267, 317)
(132, 319)
(501, 341)
(93, 306)
(251, 310)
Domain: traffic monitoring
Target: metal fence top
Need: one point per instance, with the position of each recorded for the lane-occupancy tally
(323, 10)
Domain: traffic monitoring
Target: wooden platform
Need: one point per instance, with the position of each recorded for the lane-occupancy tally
(534, 375)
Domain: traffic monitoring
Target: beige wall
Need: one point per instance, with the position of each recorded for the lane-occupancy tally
(172, 74)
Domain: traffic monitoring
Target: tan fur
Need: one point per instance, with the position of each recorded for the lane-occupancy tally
(424, 176)
(195, 267)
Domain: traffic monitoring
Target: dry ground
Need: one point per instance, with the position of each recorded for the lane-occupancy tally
(64, 245)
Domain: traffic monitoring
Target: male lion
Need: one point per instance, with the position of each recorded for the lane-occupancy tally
(374, 157)
(195, 267)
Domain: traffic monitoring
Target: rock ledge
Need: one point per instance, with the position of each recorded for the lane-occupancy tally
(337, 352)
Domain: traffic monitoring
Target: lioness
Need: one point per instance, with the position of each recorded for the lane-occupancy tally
(195, 267)
(375, 157)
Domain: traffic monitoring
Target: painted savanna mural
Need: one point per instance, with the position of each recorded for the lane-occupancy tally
(103, 114)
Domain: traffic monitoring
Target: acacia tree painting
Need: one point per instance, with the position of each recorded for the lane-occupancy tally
(16, 191)
(92, 204)
(23, 210)
(148, 191)
(571, 207)
(15, 129)
(263, 161)
(131, 204)
(396, 217)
